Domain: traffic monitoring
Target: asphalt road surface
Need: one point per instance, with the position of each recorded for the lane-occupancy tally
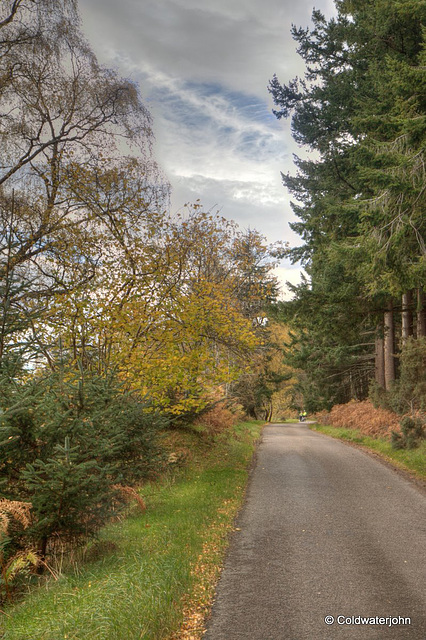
(327, 531)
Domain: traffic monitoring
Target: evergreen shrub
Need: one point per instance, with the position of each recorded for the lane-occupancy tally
(67, 440)
(412, 433)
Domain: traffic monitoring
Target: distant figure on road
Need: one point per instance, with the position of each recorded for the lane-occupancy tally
(302, 416)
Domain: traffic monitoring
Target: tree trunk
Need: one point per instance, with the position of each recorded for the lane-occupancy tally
(268, 414)
(421, 313)
(389, 342)
(407, 316)
(42, 548)
(380, 357)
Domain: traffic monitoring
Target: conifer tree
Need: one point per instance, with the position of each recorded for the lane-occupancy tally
(360, 109)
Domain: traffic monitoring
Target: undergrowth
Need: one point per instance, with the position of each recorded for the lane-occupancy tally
(363, 416)
(150, 576)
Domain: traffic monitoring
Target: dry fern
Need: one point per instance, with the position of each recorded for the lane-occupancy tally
(129, 493)
(371, 421)
(14, 510)
(216, 420)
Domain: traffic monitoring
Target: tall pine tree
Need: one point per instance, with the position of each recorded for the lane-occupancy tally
(360, 200)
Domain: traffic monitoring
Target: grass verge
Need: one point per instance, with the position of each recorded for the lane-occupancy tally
(157, 578)
(411, 460)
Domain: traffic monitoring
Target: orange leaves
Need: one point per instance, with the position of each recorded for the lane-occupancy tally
(371, 421)
(11, 510)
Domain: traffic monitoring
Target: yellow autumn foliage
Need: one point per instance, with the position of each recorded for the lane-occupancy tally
(168, 308)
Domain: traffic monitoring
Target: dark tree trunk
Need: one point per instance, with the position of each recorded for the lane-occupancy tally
(389, 346)
(380, 357)
(407, 316)
(42, 554)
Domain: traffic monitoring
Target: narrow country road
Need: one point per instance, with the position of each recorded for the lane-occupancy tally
(326, 531)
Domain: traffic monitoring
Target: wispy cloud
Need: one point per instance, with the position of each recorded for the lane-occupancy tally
(203, 116)
(195, 103)
(203, 69)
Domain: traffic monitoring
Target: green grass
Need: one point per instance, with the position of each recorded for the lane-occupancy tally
(412, 460)
(139, 589)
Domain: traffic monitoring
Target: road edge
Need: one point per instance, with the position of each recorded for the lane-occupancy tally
(419, 483)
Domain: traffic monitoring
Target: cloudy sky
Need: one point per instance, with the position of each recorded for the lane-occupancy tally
(203, 70)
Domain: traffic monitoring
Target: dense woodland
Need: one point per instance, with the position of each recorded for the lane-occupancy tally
(359, 116)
